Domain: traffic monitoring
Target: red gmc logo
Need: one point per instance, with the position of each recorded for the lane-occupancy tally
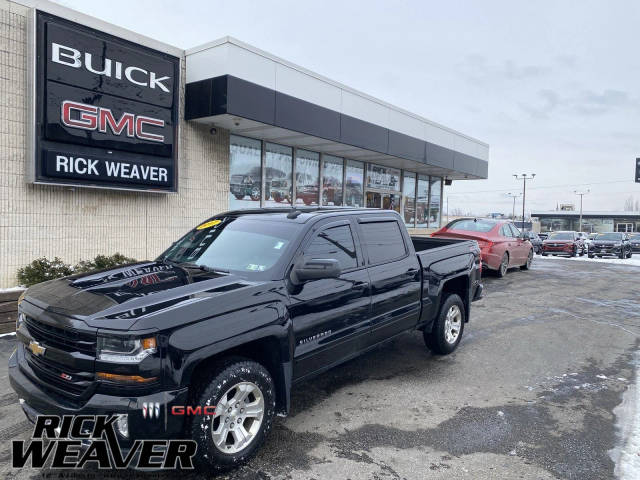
(180, 410)
(90, 117)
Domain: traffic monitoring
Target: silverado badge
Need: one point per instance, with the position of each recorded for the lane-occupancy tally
(36, 348)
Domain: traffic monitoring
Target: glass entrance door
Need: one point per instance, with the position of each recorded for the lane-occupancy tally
(374, 200)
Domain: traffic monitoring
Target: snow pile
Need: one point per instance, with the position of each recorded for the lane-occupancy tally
(633, 261)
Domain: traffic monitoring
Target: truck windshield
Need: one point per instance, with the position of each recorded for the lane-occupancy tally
(609, 236)
(233, 243)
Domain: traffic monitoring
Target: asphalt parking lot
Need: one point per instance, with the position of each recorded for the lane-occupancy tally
(533, 392)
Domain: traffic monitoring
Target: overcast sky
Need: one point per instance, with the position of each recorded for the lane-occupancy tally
(552, 86)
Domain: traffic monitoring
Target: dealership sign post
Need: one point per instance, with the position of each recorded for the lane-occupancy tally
(105, 110)
(637, 170)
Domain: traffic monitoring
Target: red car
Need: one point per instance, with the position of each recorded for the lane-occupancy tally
(502, 246)
(564, 243)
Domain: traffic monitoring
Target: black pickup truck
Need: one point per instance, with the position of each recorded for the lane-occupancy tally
(233, 314)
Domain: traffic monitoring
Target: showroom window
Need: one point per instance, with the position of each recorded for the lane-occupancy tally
(245, 172)
(307, 177)
(332, 173)
(277, 183)
(422, 202)
(409, 199)
(434, 202)
(354, 180)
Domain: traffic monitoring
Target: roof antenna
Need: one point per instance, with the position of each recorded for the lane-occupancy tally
(293, 214)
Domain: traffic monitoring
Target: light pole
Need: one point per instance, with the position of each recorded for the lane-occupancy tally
(582, 194)
(514, 196)
(524, 177)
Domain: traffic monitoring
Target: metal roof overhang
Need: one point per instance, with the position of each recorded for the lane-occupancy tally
(252, 93)
(250, 128)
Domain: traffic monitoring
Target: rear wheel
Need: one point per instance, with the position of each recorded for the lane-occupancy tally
(574, 252)
(448, 327)
(527, 265)
(621, 255)
(504, 266)
(244, 397)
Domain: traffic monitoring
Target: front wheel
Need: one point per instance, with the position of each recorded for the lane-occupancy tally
(244, 397)
(527, 265)
(446, 332)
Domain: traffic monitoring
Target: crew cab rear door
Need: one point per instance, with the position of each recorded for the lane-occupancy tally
(394, 271)
(330, 317)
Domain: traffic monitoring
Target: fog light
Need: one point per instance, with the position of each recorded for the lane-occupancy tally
(122, 424)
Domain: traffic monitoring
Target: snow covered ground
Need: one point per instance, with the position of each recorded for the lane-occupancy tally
(633, 261)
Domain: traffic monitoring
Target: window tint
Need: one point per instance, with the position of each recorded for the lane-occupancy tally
(384, 241)
(471, 225)
(504, 231)
(336, 243)
(514, 230)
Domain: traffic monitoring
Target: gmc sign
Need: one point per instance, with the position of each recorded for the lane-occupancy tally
(106, 109)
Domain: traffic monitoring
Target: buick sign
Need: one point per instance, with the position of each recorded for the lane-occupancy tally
(106, 109)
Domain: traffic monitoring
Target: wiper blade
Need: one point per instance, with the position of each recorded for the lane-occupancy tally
(204, 268)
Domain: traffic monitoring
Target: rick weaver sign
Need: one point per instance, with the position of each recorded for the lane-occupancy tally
(106, 109)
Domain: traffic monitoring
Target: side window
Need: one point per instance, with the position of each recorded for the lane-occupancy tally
(514, 230)
(384, 241)
(336, 243)
(504, 231)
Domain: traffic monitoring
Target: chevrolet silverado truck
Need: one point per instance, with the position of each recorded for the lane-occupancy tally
(233, 315)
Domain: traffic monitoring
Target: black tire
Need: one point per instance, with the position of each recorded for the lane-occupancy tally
(582, 252)
(436, 339)
(239, 197)
(504, 266)
(255, 194)
(209, 392)
(591, 255)
(527, 265)
(544, 254)
(574, 252)
(621, 255)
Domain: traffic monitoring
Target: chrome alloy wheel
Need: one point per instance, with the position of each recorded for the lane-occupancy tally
(453, 324)
(238, 417)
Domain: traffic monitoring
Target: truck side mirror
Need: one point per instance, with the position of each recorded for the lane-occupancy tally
(314, 269)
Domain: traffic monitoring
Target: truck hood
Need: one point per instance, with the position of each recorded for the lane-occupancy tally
(118, 297)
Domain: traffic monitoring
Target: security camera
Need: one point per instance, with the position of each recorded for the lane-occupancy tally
(213, 131)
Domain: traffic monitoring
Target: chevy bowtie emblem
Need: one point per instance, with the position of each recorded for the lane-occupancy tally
(36, 348)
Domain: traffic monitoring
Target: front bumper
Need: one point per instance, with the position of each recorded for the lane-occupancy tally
(605, 251)
(36, 400)
(563, 250)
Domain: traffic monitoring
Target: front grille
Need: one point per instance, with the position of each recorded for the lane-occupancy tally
(63, 339)
(72, 382)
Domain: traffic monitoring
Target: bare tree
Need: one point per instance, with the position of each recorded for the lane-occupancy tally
(637, 206)
(628, 204)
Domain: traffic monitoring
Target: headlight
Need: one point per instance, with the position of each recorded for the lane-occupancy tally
(20, 320)
(125, 350)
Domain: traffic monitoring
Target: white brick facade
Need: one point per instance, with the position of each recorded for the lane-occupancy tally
(76, 224)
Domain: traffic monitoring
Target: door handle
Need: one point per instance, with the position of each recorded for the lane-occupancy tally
(359, 285)
(411, 272)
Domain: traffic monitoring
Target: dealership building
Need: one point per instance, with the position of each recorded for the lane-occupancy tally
(115, 142)
(592, 221)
